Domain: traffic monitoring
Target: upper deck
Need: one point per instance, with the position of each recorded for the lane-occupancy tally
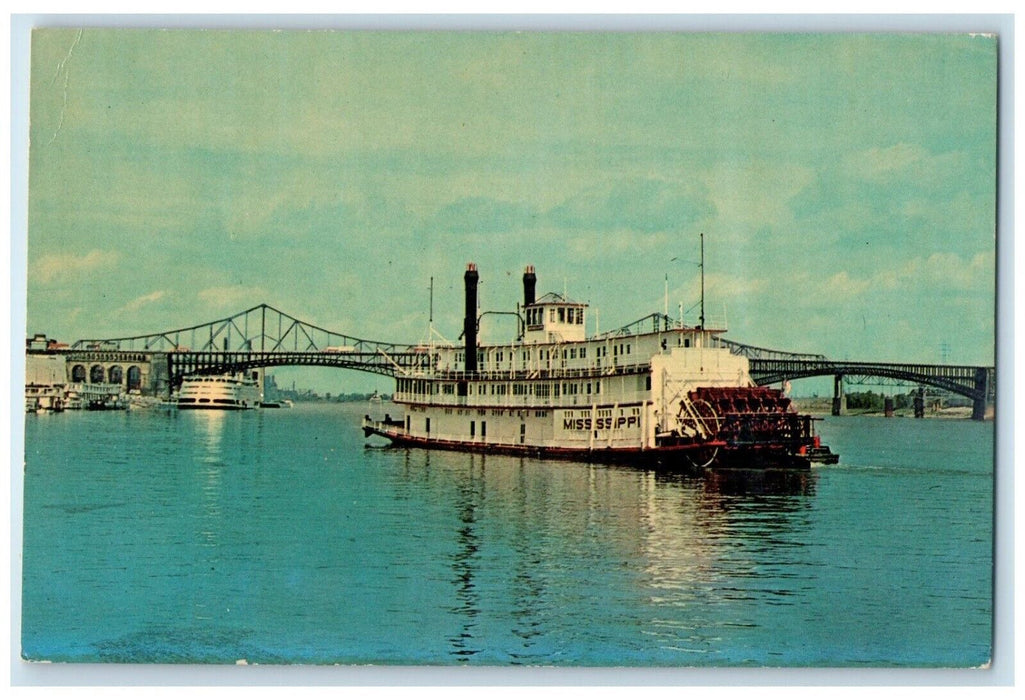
(552, 350)
(604, 354)
(553, 342)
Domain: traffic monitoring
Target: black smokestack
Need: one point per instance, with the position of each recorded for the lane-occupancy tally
(470, 319)
(529, 285)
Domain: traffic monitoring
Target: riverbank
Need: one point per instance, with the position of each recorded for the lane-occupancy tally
(817, 406)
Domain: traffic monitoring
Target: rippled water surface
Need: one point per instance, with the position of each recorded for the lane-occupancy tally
(277, 536)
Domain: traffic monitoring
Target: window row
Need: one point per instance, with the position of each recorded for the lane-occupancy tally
(539, 389)
(573, 315)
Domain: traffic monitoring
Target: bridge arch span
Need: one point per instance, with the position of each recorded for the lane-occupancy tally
(947, 384)
(975, 383)
(182, 365)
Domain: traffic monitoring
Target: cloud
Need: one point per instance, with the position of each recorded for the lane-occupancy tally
(913, 167)
(482, 215)
(880, 164)
(950, 271)
(646, 205)
(139, 302)
(756, 194)
(611, 247)
(237, 298)
(936, 274)
(53, 267)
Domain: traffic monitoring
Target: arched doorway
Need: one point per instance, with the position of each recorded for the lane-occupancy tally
(115, 374)
(78, 374)
(134, 378)
(96, 374)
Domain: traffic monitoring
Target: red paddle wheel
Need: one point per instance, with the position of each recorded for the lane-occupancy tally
(744, 426)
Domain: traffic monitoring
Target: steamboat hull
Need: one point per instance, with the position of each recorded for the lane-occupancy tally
(716, 454)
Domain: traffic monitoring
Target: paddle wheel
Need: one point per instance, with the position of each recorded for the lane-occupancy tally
(741, 426)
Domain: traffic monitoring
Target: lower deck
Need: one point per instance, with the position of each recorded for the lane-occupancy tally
(598, 426)
(713, 454)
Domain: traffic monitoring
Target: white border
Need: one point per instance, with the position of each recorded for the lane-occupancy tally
(1000, 675)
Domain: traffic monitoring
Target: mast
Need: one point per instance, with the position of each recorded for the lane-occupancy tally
(430, 317)
(665, 297)
(702, 281)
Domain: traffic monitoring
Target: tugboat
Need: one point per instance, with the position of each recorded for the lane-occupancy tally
(656, 392)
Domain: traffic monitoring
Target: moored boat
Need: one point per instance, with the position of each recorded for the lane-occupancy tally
(44, 398)
(655, 392)
(227, 392)
(111, 402)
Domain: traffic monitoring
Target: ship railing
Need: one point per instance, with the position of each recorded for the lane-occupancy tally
(659, 323)
(651, 323)
(530, 402)
(94, 390)
(534, 374)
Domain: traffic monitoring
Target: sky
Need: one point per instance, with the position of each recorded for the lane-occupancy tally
(845, 184)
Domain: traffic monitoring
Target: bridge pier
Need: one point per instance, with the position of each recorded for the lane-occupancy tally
(981, 391)
(839, 402)
(920, 403)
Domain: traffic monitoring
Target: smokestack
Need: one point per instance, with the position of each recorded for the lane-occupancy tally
(529, 284)
(470, 319)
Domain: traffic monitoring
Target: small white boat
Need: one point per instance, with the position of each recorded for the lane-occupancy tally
(137, 400)
(220, 392)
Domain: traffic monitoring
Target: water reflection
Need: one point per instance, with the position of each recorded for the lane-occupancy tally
(744, 482)
(527, 587)
(465, 561)
(719, 555)
(688, 546)
(209, 427)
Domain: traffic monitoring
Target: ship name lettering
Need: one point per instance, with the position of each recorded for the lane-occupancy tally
(600, 423)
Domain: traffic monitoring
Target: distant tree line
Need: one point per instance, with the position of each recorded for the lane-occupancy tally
(871, 401)
(342, 398)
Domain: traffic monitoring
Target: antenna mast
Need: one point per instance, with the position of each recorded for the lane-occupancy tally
(665, 298)
(430, 316)
(702, 281)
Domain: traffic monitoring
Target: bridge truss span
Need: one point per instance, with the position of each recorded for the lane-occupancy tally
(753, 352)
(261, 328)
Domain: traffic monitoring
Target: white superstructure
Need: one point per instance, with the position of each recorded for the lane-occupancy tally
(221, 392)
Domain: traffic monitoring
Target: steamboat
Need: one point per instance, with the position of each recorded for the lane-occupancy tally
(656, 393)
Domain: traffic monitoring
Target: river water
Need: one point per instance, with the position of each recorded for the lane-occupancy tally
(277, 536)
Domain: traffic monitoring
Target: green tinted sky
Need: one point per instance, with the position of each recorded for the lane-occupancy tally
(845, 184)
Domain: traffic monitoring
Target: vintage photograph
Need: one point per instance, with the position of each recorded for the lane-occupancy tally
(571, 349)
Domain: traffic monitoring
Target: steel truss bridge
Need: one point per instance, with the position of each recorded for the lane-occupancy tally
(263, 336)
(775, 367)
